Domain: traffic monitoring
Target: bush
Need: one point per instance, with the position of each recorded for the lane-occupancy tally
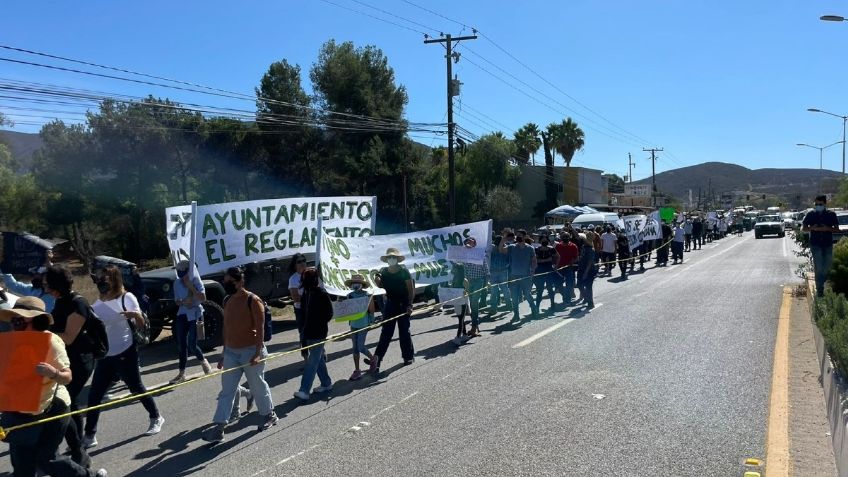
(831, 314)
(839, 270)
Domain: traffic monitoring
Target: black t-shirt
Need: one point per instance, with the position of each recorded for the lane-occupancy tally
(395, 284)
(825, 218)
(66, 306)
(318, 312)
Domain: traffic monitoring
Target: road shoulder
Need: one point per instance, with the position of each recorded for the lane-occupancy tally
(810, 448)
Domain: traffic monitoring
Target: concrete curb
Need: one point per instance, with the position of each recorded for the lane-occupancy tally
(835, 394)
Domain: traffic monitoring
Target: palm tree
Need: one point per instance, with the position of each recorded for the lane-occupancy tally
(527, 141)
(567, 140)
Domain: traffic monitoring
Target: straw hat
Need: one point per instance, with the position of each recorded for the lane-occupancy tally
(357, 278)
(393, 252)
(26, 307)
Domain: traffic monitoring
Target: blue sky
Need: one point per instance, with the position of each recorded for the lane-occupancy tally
(707, 80)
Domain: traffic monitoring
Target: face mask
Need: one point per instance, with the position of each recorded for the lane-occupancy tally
(356, 287)
(102, 286)
(230, 288)
(182, 273)
(819, 208)
(392, 261)
(37, 283)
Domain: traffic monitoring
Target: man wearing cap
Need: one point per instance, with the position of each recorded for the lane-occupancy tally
(522, 263)
(34, 288)
(477, 276)
(35, 448)
(189, 293)
(400, 291)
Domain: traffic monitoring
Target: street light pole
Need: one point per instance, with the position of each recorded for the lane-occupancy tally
(821, 157)
(844, 123)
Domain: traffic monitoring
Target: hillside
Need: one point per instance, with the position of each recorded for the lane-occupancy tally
(22, 145)
(722, 178)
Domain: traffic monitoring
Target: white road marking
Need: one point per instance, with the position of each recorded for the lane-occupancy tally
(411, 395)
(544, 332)
(292, 457)
(784, 246)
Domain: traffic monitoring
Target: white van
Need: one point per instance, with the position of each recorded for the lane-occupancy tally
(600, 219)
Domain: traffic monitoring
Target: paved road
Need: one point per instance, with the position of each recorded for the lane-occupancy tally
(670, 375)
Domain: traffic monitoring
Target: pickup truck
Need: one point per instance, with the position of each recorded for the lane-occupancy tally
(769, 225)
(268, 279)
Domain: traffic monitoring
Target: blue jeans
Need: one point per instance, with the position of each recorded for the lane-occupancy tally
(499, 288)
(546, 278)
(520, 290)
(185, 332)
(566, 285)
(359, 342)
(822, 260)
(475, 294)
(234, 357)
(316, 363)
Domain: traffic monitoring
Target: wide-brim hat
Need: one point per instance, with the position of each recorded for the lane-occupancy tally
(26, 307)
(357, 278)
(393, 252)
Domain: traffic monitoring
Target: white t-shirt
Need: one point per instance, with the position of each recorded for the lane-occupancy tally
(679, 235)
(608, 240)
(294, 282)
(117, 327)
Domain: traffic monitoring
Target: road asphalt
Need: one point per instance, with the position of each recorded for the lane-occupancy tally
(669, 375)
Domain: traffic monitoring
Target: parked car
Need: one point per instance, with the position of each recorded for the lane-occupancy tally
(600, 219)
(842, 217)
(769, 225)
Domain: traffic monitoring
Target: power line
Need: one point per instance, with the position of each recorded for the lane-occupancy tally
(396, 16)
(374, 17)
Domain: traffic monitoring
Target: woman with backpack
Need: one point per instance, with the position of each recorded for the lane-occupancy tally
(121, 314)
(78, 326)
(317, 312)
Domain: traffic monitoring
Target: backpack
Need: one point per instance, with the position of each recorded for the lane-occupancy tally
(141, 335)
(268, 329)
(95, 332)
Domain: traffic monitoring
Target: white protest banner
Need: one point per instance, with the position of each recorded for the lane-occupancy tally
(633, 228)
(652, 229)
(351, 309)
(237, 233)
(454, 296)
(425, 254)
(464, 254)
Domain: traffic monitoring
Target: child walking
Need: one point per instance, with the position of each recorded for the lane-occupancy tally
(460, 306)
(358, 284)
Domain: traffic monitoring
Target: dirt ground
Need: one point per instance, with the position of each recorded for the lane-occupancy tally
(811, 450)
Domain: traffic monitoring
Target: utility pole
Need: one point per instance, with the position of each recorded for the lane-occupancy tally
(654, 151)
(405, 208)
(630, 167)
(453, 90)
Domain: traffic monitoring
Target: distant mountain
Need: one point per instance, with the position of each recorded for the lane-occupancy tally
(787, 185)
(23, 146)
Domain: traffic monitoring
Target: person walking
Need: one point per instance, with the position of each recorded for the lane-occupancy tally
(586, 271)
(623, 247)
(677, 243)
(317, 313)
(71, 313)
(568, 253)
(545, 276)
(397, 308)
(665, 244)
(359, 285)
(189, 293)
(477, 275)
(522, 263)
(697, 233)
(821, 224)
(296, 267)
(244, 352)
(498, 277)
(36, 448)
(117, 308)
(34, 288)
(608, 243)
(687, 233)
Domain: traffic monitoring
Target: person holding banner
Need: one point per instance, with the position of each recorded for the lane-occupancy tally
(522, 263)
(358, 284)
(317, 313)
(189, 293)
(477, 276)
(244, 350)
(35, 448)
(400, 292)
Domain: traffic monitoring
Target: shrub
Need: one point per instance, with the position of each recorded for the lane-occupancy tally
(839, 270)
(831, 314)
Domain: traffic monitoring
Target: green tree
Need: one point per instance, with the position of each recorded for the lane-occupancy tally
(615, 183)
(501, 203)
(568, 139)
(527, 142)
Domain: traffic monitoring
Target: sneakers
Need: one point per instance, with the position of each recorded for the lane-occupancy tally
(179, 379)
(323, 389)
(214, 434)
(89, 441)
(357, 375)
(268, 421)
(206, 367)
(373, 365)
(301, 395)
(155, 426)
(409, 361)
